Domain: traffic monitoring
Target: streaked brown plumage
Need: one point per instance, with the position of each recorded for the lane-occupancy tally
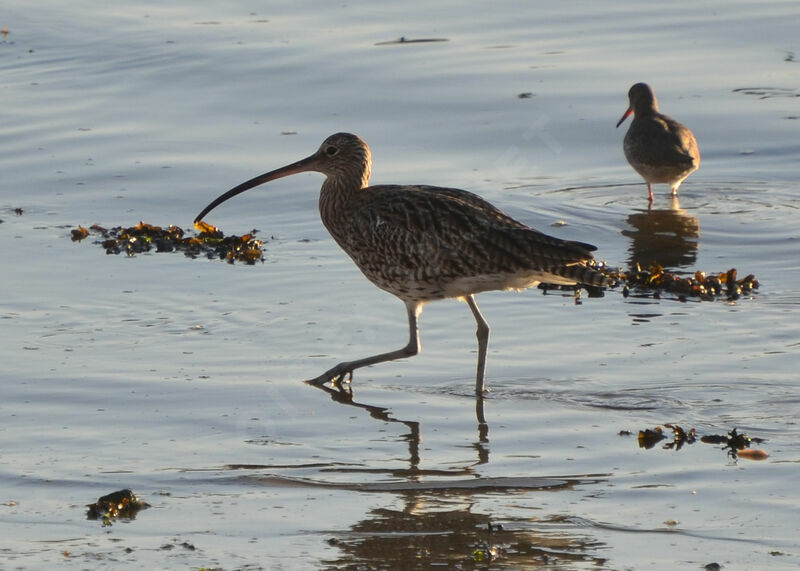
(423, 243)
(659, 148)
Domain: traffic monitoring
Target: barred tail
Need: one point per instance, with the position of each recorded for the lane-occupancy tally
(583, 274)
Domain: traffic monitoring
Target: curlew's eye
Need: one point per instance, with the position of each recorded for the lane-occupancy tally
(330, 150)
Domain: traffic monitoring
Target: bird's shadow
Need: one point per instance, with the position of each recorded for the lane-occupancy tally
(342, 393)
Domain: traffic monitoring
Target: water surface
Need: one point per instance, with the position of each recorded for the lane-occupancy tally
(180, 378)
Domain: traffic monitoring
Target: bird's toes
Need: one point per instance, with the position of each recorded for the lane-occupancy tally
(337, 377)
(345, 377)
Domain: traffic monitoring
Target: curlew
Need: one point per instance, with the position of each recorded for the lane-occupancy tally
(659, 148)
(425, 243)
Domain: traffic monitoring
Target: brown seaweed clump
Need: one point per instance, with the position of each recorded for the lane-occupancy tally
(737, 444)
(650, 437)
(706, 287)
(143, 237)
(657, 282)
(122, 504)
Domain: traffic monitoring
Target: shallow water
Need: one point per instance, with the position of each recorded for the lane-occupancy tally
(180, 378)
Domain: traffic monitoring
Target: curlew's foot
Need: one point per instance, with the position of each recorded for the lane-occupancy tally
(335, 376)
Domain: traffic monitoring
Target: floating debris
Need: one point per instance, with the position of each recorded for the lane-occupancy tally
(655, 282)
(699, 285)
(485, 553)
(680, 437)
(650, 437)
(143, 237)
(752, 454)
(120, 504)
(185, 544)
(79, 233)
(404, 40)
(737, 444)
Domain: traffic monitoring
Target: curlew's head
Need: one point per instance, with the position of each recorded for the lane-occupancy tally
(343, 157)
(347, 159)
(641, 101)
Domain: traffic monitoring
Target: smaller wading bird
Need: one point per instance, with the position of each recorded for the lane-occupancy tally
(424, 243)
(659, 148)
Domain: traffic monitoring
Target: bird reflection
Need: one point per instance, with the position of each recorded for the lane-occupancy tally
(438, 514)
(482, 444)
(343, 394)
(669, 237)
(450, 529)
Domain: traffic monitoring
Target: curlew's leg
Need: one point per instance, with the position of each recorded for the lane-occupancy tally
(650, 192)
(483, 344)
(339, 371)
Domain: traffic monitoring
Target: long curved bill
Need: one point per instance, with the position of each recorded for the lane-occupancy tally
(302, 165)
(625, 116)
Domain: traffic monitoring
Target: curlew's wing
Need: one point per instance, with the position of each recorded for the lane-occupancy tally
(428, 233)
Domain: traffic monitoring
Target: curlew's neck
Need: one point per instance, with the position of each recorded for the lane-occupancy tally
(339, 193)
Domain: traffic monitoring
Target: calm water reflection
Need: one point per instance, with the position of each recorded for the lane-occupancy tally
(445, 529)
(345, 395)
(667, 236)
